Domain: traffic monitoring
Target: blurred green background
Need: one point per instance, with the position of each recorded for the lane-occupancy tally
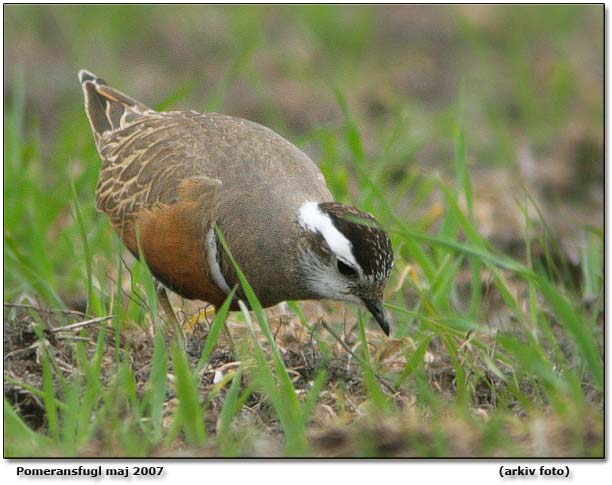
(526, 81)
(447, 122)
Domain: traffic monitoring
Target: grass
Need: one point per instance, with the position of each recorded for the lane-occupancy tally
(494, 352)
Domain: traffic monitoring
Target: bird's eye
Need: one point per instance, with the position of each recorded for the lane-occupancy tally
(345, 269)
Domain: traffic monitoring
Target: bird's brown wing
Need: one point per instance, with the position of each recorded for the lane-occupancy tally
(148, 163)
(150, 159)
(153, 188)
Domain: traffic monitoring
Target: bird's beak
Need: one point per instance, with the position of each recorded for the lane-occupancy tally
(377, 310)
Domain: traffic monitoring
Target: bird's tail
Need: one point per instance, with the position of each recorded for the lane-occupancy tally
(107, 108)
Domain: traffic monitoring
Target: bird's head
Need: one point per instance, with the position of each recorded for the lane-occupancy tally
(345, 255)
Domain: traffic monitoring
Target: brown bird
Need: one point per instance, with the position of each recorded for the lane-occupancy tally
(171, 177)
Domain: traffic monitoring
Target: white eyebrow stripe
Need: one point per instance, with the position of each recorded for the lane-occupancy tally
(313, 219)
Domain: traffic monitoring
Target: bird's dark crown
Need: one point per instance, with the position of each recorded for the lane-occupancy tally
(371, 245)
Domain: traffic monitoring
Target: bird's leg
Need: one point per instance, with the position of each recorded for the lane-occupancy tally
(163, 299)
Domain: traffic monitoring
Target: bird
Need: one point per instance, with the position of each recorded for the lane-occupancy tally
(170, 180)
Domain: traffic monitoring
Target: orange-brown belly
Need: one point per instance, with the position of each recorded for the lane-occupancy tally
(173, 247)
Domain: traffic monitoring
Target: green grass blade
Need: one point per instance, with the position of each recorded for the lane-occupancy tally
(318, 384)
(577, 328)
(234, 401)
(415, 361)
(284, 397)
(20, 440)
(353, 137)
(263, 323)
(88, 267)
(190, 410)
(157, 385)
(49, 398)
(378, 397)
(215, 331)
